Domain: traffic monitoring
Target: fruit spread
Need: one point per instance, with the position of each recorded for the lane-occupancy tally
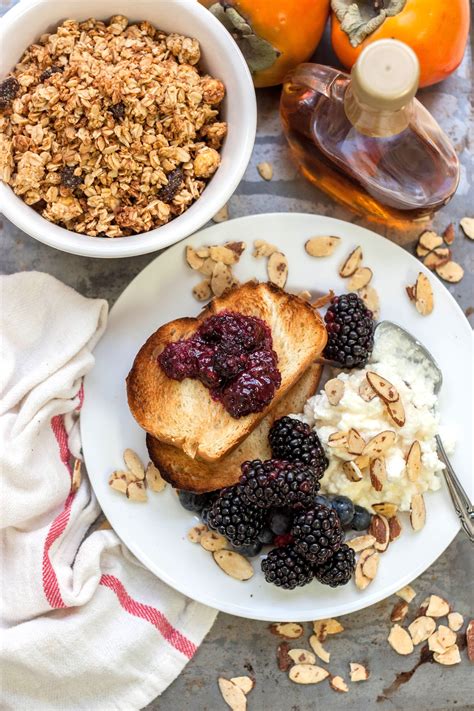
(233, 356)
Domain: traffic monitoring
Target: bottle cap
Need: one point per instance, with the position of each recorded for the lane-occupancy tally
(386, 74)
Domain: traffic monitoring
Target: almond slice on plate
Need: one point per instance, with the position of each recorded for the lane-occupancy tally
(407, 593)
(400, 640)
(467, 224)
(414, 461)
(423, 294)
(399, 611)
(322, 246)
(421, 628)
(361, 277)
(451, 272)
(243, 682)
(277, 269)
(358, 672)
(207, 267)
(318, 649)
(194, 534)
(232, 695)
(338, 684)
(302, 656)
(362, 461)
(366, 391)
(360, 543)
(307, 674)
(378, 473)
(351, 263)
(417, 512)
(134, 464)
(352, 471)
(449, 657)
(455, 621)
(337, 439)
(202, 291)
(437, 606)
(395, 528)
(371, 299)
(212, 541)
(396, 412)
(382, 387)
(263, 249)
(380, 443)
(355, 442)
(221, 279)
(234, 564)
(385, 508)
(380, 530)
(334, 390)
(288, 630)
(221, 253)
(136, 491)
(193, 259)
(154, 479)
(366, 568)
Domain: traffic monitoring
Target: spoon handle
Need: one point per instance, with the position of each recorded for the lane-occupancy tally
(460, 499)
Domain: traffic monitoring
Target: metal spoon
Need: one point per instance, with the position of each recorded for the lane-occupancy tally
(420, 354)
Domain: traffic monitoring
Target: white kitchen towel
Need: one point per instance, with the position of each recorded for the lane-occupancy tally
(85, 625)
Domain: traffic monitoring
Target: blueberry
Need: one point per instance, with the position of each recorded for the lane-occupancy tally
(323, 500)
(266, 536)
(344, 508)
(251, 550)
(193, 502)
(280, 521)
(361, 519)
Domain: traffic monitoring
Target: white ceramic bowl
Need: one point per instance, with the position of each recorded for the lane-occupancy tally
(25, 22)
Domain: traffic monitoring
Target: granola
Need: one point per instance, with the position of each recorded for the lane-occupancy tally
(110, 129)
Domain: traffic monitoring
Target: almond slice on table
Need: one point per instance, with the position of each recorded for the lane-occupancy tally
(470, 640)
(352, 471)
(399, 611)
(446, 636)
(277, 269)
(434, 645)
(378, 474)
(417, 512)
(414, 461)
(195, 533)
(467, 224)
(351, 263)
(358, 672)
(302, 656)
(334, 390)
(234, 564)
(134, 464)
(380, 443)
(382, 387)
(400, 640)
(430, 240)
(221, 279)
(437, 258)
(449, 657)
(437, 606)
(406, 593)
(380, 530)
(307, 674)
(371, 299)
(360, 543)
(449, 234)
(263, 249)
(361, 277)
(338, 684)
(455, 621)
(318, 649)
(136, 491)
(422, 295)
(385, 508)
(153, 478)
(265, 170)
(232, 695)
(283, 658)
(288, 630)
(322, 246)
(451, 272)
(322, 628)
(243, 682)
(355, 442)
(203, 291)
(421, 628)
(366, 391)
(193, 259)
(221, 215)
(213, 541)
(394, 527)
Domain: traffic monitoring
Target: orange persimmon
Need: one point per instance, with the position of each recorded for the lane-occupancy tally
(437, 31)
(274, 35)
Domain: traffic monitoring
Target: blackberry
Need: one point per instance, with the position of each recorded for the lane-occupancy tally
(338, 569)
(285, 568)
(9, 88)
(68, 179)
(350, 326)
(231, 516)
(53, 69)
(295, 441)
(118, 111)
(168, 191)
(278, 483)
(280, 521)
(317, 533)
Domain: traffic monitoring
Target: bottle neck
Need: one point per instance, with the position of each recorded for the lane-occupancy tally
(375, 122)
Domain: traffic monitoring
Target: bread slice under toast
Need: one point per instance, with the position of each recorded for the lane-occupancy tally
(193, 475)
(183, 413)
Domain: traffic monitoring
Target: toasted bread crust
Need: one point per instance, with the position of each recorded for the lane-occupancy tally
(184, 414)
(193, 475)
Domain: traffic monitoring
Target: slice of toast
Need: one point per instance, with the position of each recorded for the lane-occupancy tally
(183, 413)
(193, 475)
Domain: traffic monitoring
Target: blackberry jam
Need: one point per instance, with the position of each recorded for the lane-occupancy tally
(233, 356)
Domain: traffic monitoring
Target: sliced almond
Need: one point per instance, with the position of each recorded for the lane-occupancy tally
(243, 682)
(446, 636)
(380, 443)
(202, 252)
(371, 299)
(437, 606)
(302, 656)
(399, 611)
(234, 564)
(265, 170)
(338, 684)
(208, 267)
(362, 461)
(277, 269)
(407, 593)
(411, 292)
(421, 251)
(470, 640)
(467, 224)
(193, 259)
(366, 391)
(322, 246)
(361, 277)
(334, 390)
(414, 461)
(202, 291)
(451, 272)
(263, 249)
(421, 628)
(283, 658)
(221, 279)
(400, 640)
(352, 471)
(380, 530)
(195, 533)
(134, 464)
(328, 626)
(237, 247)
(337, 439)
(220, 253)
(378, 474)
(449, 657)
(355, 442)
(396, 412)
(358, 672)
(394, 527)
(76, 475)
(366, 568)
(424, 299)
(434, 644)
(307, 674)
(118, 483)
(136, 491)
(352, 263)
(370, 565)
(417, 512)
(318, 649)
(437, 258)
(232, 695)
(385, 508)
(449, 234)
(455, 621)
(360, 543)
(221, 215)
(305, 295)
(382, 387)
(154, 479)
(213, 541)
(430, 240)
(288, 630)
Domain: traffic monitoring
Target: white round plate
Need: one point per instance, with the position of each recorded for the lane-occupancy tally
(156, 531)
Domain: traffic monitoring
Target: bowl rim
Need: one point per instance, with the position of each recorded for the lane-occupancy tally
(27, 220)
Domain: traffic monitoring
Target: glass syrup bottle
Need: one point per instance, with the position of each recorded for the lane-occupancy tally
(365, 140)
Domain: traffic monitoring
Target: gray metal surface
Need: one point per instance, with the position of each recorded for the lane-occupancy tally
(235, 646)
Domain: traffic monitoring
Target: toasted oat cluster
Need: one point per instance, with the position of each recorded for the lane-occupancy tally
(110, 129)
